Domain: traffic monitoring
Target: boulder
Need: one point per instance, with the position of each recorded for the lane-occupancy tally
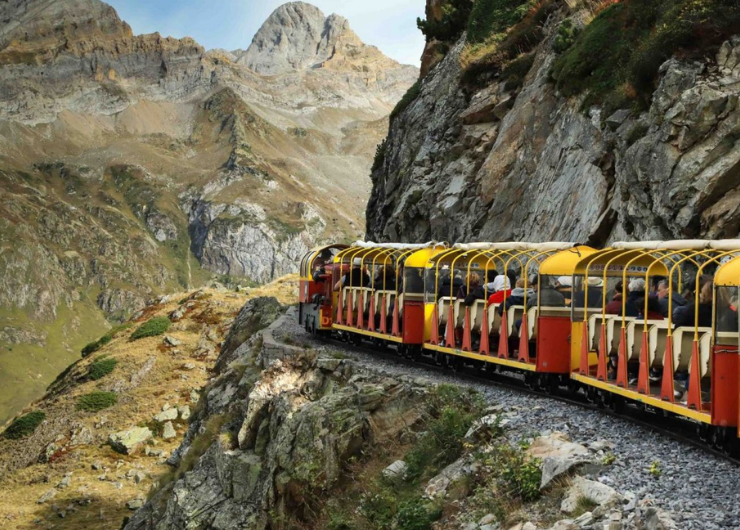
(559, 456)
(397, 469)
(47, 496)
(169, 431)
(451, 476)
(172, 341)
(167, 415)
(184, 411)
(128, 442)
(596, 492)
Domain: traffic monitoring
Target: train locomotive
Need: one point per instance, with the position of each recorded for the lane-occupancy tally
(609, 324)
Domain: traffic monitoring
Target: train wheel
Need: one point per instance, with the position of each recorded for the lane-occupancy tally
(439, 358)
(551, 385)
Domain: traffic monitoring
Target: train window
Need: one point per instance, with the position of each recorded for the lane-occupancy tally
(726, 300)
(430, 285)
(413, 281)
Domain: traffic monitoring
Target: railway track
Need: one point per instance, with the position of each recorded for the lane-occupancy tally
(656, 421)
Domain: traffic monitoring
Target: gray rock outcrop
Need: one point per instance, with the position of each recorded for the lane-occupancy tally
(267, 439)
(493, 163)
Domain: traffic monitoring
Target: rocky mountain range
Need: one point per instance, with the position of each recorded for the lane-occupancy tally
(132, 165)
(512, 134)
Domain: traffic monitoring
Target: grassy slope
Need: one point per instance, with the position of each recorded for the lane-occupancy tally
(100, 504)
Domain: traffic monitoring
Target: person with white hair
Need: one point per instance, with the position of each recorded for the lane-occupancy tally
(636, 292)
(501, 286)
(595, 293)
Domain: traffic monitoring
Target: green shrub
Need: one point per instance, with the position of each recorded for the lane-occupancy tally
(105, 339)
(151, 328)
(566, 36)
(507, 44)
(101, 368)
(379, 155)
(25, 425)
(95, 346)
(624, 46)
(490, 18)
(413, 515)
(96, 401)
(452, 23)
(408, 98)
(521, 477)
(452, 413)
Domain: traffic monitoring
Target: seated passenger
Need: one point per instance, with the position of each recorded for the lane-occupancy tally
(472, 289)
(686, 315)
(500, 287)
(564, 285)
(357, 277)
(728, 318)
(595, 294)
(491, 276)
(448, 286)
(412, 280)
(614, 307)
(664, 297)
(636, 289)
(653, 312)
(548, 295)
(517, 296)
(319, 264)
(385, 279)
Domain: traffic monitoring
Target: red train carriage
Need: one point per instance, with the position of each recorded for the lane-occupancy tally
(528, 333)
(669, 358)
(378, 292)
(315, 293)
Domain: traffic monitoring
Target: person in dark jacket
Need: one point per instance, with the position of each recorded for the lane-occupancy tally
(517, 297)
(472, 289)
(664, 297)
(686, 315)
(448, 286)
(548, 295)
(595, 294)
(386, 274)
(357, 277)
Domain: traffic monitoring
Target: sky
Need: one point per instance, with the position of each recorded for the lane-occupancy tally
(230, 24)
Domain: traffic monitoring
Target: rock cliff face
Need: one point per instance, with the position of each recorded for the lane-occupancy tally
(136, 165)
(495, 163)
(274, 430)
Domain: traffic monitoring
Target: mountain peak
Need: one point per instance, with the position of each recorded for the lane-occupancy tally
(296, 36)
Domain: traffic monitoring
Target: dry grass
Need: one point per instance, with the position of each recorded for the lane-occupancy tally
(91, 503)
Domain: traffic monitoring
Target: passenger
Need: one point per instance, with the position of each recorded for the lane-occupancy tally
(517, 296)
(595, 294)
(412, 281)
(472, 289)
(564, 286)
(636, 289)
(614, 307)
(449, 286)
(511, 274)
(387, 274)
(491, 275)
(653, 312)
(686, 315)
(548, 295)
(357, 277)
(728, 317)
(500, 287)
(319, 264)
(664, 298)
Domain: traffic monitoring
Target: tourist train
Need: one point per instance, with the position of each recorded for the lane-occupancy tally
(652, 323)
